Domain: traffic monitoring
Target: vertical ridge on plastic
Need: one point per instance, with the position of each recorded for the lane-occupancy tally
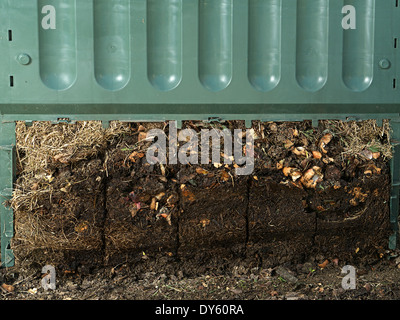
(57, 43)
(264, 46)
(164, 43)
(358, 47)
(312, 44)
(111, 43)
(215, 44)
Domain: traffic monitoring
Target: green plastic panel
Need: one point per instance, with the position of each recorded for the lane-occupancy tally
(195, 58)
(7, 176)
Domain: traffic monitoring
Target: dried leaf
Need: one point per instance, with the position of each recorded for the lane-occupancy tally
(186, 193)
(324, 141)
(132, 156)
(311, 177)
(374, 169)
(153, 204)
(279, 165)
(287, 170)
(308, 174)
(142, 135)
(160, 196)
(273, 127)
(32, 290)
(7, 287)
(317, 155)
(376, 155)
(288, 143)
(82, 227)
(224, 176)
(204, 222)
(133, 210)
(336, 186)
(201, 171)
(300, 151)
(168, 218)
(296, 175)
(358, 194)
(368, 172)
(253, 133)
(162, 168)
(323, 264)
(166, 214)
(173, 198)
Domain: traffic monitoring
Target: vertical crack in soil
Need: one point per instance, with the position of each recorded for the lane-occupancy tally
(178, 243)
(247, 213)
(105, 211)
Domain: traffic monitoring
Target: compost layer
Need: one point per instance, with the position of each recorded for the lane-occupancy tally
(312, 191)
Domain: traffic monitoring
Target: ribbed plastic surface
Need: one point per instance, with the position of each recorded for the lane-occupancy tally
(236, 52)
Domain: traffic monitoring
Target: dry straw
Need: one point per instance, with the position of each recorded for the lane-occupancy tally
(357, 136)
(42, 149)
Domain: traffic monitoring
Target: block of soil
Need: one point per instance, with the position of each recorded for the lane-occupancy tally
(212, 220)
(280, 227)
(276, 208)
(141, 209)
(353, 217)
(66, 213)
